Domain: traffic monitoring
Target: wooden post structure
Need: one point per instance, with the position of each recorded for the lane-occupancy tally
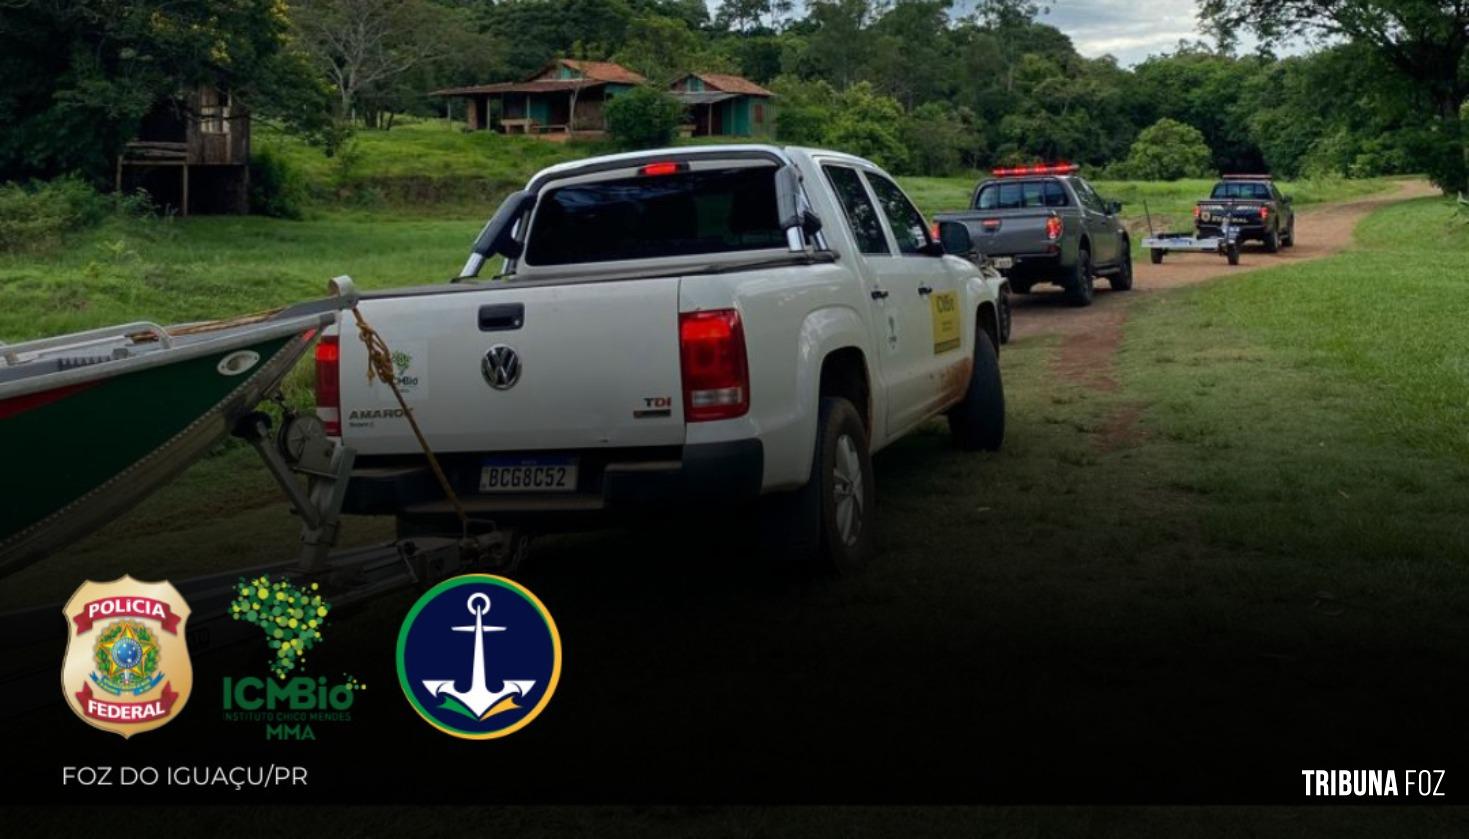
(185, 169)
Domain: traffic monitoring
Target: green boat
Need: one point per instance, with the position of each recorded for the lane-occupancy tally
(92, 422)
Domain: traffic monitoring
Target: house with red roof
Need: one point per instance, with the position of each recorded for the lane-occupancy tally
(566, 96)
(723, 105)
(569, 96)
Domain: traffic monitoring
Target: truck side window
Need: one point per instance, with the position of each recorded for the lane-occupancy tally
(903, 217)
(1088, 198)
(861, 215)
(1055, 194)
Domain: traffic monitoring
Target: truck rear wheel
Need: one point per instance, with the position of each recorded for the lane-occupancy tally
(829, 521)
(978, 421)
(1272, 241)
(1079, 288)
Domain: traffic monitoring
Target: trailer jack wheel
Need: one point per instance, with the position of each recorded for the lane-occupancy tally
(1231, 252)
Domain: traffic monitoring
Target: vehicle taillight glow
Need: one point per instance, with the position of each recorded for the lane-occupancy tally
(1264, 213)
(935, 231)
(1053, 228)
(1035, 169)
(1197, 211)
(663, 168)
(329, 384)
(716, 377)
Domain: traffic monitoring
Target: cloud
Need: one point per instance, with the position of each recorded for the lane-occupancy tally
(1125, 29)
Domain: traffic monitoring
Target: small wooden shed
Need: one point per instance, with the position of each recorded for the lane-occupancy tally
(722, 104)
(192, 153)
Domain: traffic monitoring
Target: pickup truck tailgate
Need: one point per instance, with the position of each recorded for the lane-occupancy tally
(1006, 232)
(581, 365)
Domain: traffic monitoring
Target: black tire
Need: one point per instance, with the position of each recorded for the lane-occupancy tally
(978, 421)
(1231, 252)
(1122, 280)
(1081, 286)
(1157, 256)
(829, 521)
(1289, 239)
(1006, 314)
(1272, 240)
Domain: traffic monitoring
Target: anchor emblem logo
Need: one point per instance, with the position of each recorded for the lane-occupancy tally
(518, 654)
(479, 698)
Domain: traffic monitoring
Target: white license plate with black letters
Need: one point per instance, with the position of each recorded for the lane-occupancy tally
(528, 474)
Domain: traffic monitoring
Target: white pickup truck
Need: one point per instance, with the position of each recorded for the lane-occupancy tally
(738, 326)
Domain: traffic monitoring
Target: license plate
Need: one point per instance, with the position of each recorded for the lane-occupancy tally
(528, 474)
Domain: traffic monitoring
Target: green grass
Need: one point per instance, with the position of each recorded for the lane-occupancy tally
(204, 267)
(431, 149)
(1313, 416)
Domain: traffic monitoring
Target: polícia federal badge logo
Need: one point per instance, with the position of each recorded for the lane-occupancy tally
(126, 667)
(479, 656)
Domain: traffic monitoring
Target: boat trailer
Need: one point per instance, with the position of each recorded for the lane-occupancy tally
(312, 471)
(1226, 244)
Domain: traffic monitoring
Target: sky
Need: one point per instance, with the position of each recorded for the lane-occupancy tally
(1129, 30)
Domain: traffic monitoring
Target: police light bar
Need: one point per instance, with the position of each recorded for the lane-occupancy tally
(1035, 169)
(1245, 177)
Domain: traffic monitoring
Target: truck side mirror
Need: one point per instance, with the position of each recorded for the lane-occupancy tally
(1114, 207)
(1285, 198)
(955, 238)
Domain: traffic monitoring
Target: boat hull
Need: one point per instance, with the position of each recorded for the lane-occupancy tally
(84, 452)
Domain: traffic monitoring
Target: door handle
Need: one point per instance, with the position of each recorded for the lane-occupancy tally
(879, 294)
(925, 290)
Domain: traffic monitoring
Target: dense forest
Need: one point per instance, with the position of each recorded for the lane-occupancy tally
(913, 84)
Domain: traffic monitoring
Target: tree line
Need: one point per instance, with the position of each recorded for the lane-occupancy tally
(913, 84)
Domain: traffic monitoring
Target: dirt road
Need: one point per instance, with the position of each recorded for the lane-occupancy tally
(1322, 230)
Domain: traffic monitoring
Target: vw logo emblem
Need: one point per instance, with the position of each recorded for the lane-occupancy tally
(501, 367)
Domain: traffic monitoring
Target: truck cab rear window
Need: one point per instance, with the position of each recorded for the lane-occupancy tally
(1019, 195)
(1238, 189)
(688, 213)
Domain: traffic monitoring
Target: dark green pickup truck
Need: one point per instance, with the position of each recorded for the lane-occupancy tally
(1253, 206)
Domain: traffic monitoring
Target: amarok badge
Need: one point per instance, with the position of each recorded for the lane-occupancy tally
(126, 668)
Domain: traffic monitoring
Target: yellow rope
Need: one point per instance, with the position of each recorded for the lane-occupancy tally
(380, 366)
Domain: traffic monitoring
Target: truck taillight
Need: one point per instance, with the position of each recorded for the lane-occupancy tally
(329, 384)
(716, 378)
(1264, 213)
(1053, 228)
(1197, 211)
